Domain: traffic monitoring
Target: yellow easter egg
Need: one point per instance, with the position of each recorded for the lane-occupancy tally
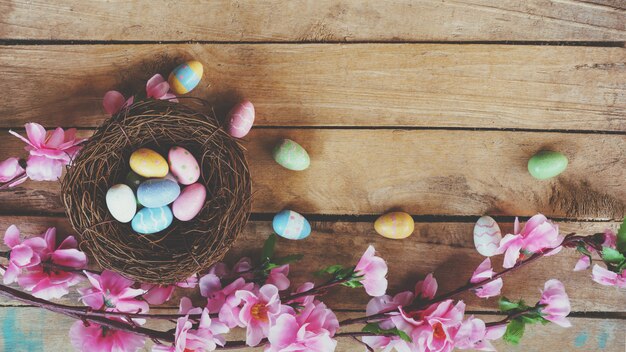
(148, 163)
(395, 225)
(185, 77)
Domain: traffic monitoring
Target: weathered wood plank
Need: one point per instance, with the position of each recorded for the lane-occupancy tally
(468, 86)
(31, 329)
(445, 248)
(430, 172)
(325, 20)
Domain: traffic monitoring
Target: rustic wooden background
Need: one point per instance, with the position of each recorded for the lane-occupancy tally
(433, 107)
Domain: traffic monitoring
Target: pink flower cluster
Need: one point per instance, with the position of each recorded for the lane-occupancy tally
(156, 88)
(600, 274)
(30, 263)
(537, 236)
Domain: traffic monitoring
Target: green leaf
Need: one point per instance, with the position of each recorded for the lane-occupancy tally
(533, 317)
(621, 237)
(507, 305)
(330, 270)
(514, 331)
(582, 249)
(612, 256)
(287, 259)
(353, 284)
(371, 328)
(403, 335)
(268, 247)
(375, 329)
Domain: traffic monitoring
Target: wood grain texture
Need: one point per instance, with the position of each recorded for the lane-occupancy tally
(430, 172)
(31, 329)
(312, 21)
(415, 85)
(445, 248)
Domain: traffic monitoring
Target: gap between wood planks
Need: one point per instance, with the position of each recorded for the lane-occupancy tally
(16, 42)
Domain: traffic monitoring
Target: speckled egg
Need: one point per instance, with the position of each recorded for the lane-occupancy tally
(291, 225)
(190, 202)
(395, 225)
(157, 192)
(487, 236)
(121, 203)
(291, 155)
(183, 165)
(152, 220)
(148, 163)
(240, 119)
(185, 77)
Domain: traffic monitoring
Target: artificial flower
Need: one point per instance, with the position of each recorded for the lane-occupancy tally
(47, 282)
(49, 151)
(259, 310)
(158, 88)
(278, 277)
(112, 292)
(610, 241)
(97, 338)
(114, 101)
(10, 170)
(373, 271)
(473, 334)
(483, 272)
(556, 306)
(290, 335)
(537, 235)
(606, 277)
(22, 254)
(427, 288)
(159, 294)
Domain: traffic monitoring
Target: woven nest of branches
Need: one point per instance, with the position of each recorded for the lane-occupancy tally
(184, 248)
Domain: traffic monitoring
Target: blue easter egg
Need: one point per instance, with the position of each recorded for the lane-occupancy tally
(152, 220)
(157, 192)
(291, 225)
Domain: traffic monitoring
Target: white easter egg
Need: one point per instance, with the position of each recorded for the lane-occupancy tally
(487, 236)
(121, 203)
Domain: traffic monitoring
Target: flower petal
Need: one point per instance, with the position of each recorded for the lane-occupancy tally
(113, 102)
(12, 236)
(36, 134)
(583, 263)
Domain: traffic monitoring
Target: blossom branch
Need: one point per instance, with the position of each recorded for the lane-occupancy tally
(318, 290)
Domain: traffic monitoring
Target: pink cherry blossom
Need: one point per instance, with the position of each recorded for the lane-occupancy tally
(97, 338)
(10, 172)
(556, 301)
(112, 292)
(610, 241)
(583, 263)
(114, 101)
(484, 272)
(222, 300)
(473, 334)
(159, 294)
(22, 255)
(435, 328)
(49, 151)
(318, 318)
(389, 304)
(427, 288)
(373, 269)
(289, 334)
(606, 277)
(260, 309)
(46, 282)
(206, 336)
(538, 235)
(158, 88)
(279, 277)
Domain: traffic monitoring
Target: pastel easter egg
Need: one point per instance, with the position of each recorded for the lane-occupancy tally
(121, 202)
(291, 225)
(190, 202)
(183, 165)
(133, 180)
(185, 77)
(148, 163)
(291, 155)
(547, 164)
(395, 225)
(240, 119)
(152, 220)
(157, 192)
(487, 236)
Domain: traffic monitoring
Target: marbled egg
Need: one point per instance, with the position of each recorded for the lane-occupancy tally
(395, 225)
(157, 192)
(148, 163)
(190, 202)
(240, 119)
(185, 77)
(183, 165)
(487, 236)
(121, 203)
(547, 164)
(133, 180)
(291, 225)
(152, 220)
(291, 155)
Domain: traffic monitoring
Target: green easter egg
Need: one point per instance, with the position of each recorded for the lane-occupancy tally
(547, 164)
(291, 155)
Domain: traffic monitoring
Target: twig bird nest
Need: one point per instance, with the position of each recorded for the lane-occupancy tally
(184, 248)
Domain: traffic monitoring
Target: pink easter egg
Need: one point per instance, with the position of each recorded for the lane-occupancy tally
(240, 119)
(189, 202)
(183, 165)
